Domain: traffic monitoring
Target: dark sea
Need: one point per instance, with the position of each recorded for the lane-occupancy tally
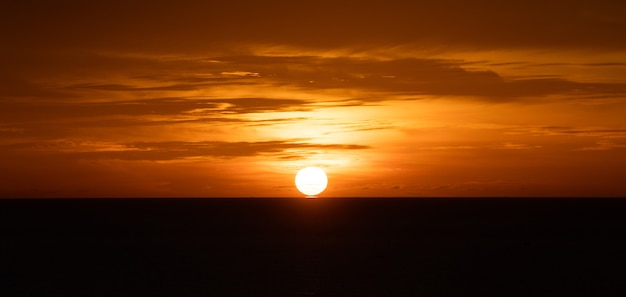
(313, 247)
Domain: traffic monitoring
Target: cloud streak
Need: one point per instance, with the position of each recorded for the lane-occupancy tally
(174, 150)
(387, 79)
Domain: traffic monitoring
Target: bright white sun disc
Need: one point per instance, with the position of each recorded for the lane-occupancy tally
(311, 181)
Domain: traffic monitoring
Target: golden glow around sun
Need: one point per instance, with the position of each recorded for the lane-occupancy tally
(311, 181)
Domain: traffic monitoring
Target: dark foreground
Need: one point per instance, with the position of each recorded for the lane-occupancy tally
(324, 247)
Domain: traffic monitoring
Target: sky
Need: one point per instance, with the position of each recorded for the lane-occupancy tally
(390, 98)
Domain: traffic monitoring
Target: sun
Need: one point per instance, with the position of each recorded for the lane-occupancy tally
(311, 181)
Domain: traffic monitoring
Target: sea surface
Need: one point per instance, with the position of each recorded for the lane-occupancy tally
(313, 247)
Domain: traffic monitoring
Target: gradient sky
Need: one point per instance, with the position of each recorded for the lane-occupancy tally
(391, 98)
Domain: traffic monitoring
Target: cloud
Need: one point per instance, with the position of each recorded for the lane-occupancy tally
(143, 111)
(413, 76)
(426, 77)
(177, 82)
(173, 150)
(573, 131)
(513, 146)
(605, 145)
(177, 92)
(578, 138)
(409, 76)
(500, 146)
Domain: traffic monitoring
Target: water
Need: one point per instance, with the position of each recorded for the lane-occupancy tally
(323, 247)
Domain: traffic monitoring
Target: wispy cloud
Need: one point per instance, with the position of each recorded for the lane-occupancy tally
(389, 78)
(568, 130)
(172, 150)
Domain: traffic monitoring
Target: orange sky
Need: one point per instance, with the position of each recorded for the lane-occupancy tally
(391, 98)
